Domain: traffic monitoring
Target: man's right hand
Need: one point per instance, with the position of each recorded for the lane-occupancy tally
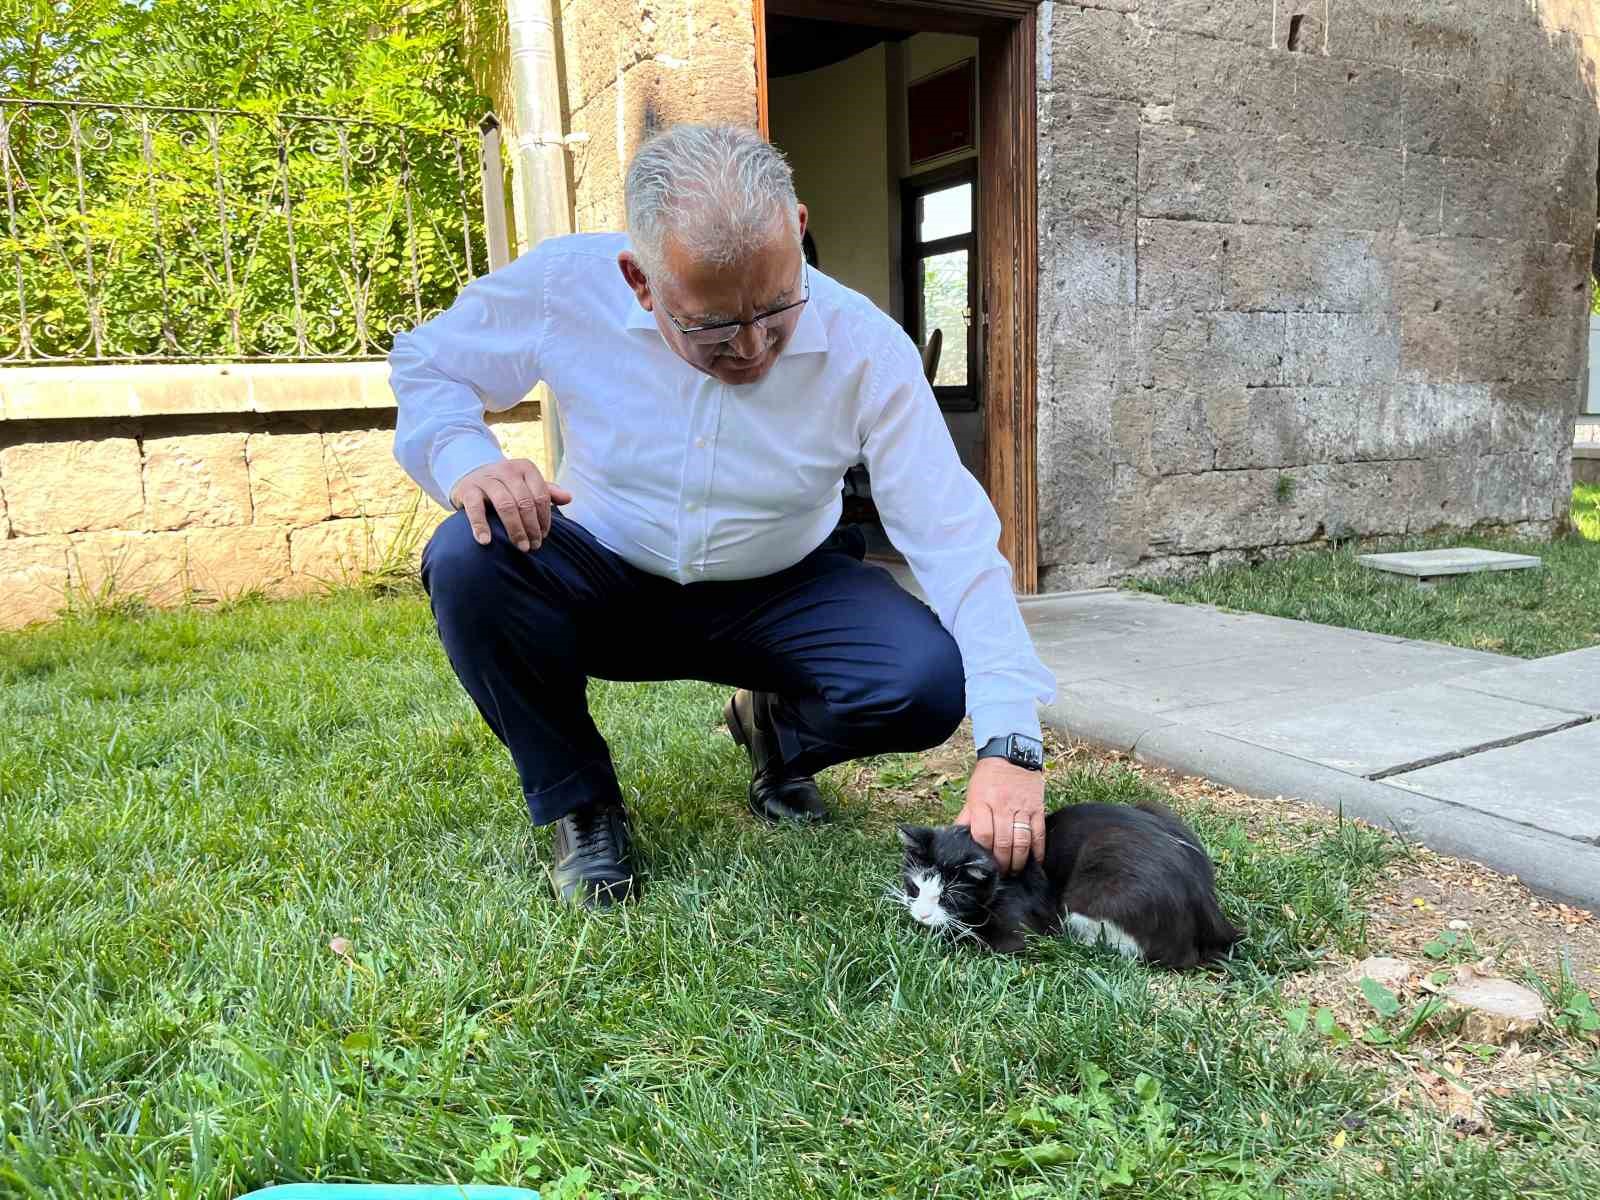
(514, 489)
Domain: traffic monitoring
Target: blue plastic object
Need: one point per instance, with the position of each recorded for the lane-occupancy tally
(390, 1191)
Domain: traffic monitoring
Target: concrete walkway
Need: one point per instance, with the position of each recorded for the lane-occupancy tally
(1478, 755)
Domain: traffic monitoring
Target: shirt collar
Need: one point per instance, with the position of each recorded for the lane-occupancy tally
(810, 334)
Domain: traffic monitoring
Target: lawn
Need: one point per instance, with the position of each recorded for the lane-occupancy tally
(1524, 613)
(271, 909)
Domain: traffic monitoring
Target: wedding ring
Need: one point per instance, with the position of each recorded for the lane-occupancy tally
(1022, 825)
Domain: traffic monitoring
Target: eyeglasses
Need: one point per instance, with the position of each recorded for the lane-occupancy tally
(719, 332)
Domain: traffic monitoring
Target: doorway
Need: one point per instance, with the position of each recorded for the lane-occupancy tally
(910, 125)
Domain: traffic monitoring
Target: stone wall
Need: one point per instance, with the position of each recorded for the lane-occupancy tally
(109, 499)
(632, 66)
(1308, 269)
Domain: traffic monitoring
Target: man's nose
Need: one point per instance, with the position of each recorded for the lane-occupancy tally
(751, 340)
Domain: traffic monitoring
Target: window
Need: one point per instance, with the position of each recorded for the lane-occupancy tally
(940, 250)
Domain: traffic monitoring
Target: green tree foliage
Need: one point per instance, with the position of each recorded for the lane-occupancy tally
(181, 244)
(381, 59)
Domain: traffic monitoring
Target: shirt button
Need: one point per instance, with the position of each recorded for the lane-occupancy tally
(691, 506)
(701, 442)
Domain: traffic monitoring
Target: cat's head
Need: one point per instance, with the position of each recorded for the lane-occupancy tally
(949, 878)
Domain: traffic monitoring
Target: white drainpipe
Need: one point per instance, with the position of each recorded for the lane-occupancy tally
(540, 161)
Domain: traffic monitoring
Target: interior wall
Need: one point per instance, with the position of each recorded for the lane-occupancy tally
(833, 126)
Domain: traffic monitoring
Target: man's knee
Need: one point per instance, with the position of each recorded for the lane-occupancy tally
(454, 561)
(928, 695)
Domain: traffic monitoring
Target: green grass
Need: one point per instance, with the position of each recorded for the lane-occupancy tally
(1525, 613)
(193, 804)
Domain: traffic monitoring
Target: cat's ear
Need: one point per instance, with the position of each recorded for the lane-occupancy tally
(915, 838)
(979, 870)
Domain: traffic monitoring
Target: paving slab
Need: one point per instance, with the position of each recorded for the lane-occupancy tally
(1408, 727)
(1570, 680)
(1550, 783)
(1279, 707)
(1462, 560)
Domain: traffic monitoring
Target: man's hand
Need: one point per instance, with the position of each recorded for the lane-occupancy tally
(516, 490)
(1005, 812)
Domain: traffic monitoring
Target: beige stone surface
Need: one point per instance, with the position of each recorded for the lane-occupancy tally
(288, 481)
(116, 564)
(175, 389)
(363, 477)
(66, 486)
(342, 550)
(523, 438)
(33, 579)
(196, 479)
(223, 564)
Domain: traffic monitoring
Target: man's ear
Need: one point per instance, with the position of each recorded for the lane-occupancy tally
(634, 276)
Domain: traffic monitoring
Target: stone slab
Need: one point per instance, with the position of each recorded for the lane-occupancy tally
(1570, 681)
(1344, 688)
(1551, 783)
(1409, 726)
(1547, 862)
(1450, 561)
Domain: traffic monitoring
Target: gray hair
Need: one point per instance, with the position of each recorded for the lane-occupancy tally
(717, 190)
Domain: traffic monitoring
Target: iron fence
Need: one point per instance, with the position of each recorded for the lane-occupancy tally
(148, 233)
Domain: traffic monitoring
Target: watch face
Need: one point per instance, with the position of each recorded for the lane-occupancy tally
(1027, 752)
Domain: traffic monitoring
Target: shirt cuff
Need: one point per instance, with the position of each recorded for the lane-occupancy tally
(463, 453)
(998, 719)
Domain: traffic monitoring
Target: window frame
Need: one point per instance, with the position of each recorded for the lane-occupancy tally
(913, 188)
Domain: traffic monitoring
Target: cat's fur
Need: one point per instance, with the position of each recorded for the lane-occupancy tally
(1133, 876)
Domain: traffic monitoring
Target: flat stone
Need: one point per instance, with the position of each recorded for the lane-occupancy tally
(1547, 782)
(1412, 725)
(1570, 681)
(1462, 560)
(1391, 972)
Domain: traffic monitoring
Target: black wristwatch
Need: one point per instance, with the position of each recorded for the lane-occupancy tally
(1016, 748)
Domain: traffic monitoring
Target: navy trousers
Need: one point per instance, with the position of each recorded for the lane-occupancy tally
(859, 665)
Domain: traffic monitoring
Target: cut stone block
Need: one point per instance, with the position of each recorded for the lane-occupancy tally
(1425, 565)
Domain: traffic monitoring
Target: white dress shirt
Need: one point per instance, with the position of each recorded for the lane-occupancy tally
(692, 479)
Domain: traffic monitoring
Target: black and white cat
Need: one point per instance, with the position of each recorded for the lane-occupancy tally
(1135, 877)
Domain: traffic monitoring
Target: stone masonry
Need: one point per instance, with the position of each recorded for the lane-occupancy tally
(208, 507)
(1308, 269)
(633, 66)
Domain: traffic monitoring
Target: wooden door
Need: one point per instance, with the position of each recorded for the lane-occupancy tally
(1007, 32)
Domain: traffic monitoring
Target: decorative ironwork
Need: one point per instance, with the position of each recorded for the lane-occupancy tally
(149, 233)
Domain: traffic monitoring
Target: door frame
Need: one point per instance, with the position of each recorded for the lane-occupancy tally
(1008, 180)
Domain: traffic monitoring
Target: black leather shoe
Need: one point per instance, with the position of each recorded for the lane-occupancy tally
(593, 855)
(775, 795)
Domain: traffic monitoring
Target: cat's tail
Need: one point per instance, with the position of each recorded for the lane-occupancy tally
(1214, 934)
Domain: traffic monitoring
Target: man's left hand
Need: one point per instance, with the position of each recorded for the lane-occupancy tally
(1005, 812)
